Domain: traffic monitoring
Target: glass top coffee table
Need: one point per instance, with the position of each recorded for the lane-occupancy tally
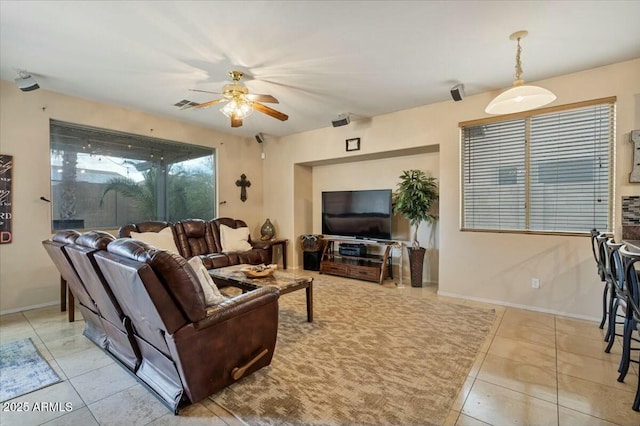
(284, 281)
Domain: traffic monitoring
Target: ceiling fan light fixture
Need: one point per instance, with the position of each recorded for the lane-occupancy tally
(237, 108)
(520, 97)
(239, 102)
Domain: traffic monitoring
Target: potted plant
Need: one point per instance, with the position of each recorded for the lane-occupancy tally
(414, 199)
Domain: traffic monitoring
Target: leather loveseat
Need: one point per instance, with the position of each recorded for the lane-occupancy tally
(146, 308)
(196, 237)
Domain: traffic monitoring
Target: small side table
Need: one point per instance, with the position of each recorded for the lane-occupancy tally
(283, 249)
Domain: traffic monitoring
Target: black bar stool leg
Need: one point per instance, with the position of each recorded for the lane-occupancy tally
(636, 402)
(605, 292)
(611, 330)
(625, 359)
(611, 312)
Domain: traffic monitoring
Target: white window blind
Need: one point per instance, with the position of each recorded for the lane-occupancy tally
(544, 172)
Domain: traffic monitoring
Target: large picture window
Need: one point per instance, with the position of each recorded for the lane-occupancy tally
(105, 179)
(546, 171)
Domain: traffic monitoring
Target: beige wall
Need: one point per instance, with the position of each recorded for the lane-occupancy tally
(481, 266)
(27, 275)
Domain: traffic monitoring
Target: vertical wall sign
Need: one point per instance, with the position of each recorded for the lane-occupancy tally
(6, 176)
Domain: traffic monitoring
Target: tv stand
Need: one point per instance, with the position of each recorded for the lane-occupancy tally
(369, 267)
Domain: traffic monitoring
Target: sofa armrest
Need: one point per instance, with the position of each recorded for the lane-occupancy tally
(148, 226)
(237, 306)
(229, 343)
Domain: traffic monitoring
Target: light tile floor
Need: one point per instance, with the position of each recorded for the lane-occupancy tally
(534, 369)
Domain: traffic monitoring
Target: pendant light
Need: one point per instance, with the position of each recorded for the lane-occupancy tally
(520, 97)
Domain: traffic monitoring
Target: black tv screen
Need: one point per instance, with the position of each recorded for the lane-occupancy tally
(359, 214)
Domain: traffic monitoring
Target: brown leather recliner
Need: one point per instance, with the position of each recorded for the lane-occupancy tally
(120, 341)
(196, 237)
(55, 247)
(189, 350)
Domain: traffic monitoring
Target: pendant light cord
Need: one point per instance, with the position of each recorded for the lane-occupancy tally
(518, 63)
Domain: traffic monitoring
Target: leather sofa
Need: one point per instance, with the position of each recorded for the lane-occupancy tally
(118, 328)
(93, 328)
(146, 308)
(196, 237)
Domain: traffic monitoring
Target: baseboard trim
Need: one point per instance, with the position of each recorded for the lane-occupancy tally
(28, 308)
(440, 293)
(519, 306)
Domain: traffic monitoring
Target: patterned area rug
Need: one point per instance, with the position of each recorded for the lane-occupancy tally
(23, 370)
(372, 356)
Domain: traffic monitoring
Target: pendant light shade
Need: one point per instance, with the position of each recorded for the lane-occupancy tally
(520, 97)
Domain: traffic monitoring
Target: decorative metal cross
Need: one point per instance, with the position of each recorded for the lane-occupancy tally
(243, 183)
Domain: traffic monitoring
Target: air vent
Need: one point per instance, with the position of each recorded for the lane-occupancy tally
(185, 102)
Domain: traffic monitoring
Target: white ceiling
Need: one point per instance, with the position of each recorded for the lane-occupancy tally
(319, 58)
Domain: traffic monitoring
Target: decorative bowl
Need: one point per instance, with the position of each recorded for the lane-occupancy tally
(259, 271)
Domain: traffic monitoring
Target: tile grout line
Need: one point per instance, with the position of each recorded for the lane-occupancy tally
(581, 378)
(475, 378)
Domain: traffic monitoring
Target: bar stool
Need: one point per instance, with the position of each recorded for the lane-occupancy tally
(597, 250)
(614, 276)
(629, 260)
(635, 305)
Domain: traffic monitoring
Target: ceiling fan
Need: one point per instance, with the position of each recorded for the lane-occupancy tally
(240, 103)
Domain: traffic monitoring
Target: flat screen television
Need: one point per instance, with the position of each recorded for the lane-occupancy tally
(359, 214)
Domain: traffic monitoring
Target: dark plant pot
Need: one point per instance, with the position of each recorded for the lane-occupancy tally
(416, 265)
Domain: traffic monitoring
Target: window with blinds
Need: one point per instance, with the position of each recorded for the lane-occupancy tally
(546, 171)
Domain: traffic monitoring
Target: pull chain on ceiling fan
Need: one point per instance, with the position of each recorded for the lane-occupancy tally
(240, 103)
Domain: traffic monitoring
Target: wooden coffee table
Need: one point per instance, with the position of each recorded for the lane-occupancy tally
(284, 281)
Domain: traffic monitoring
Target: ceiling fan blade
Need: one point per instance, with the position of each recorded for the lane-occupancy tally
(263, 98)
(236, 122)
(205, 91)
(269, 111)
(206, 104)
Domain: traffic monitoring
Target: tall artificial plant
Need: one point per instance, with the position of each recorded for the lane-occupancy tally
(415, 198)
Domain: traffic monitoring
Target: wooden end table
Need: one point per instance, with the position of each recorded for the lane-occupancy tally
(283, 249)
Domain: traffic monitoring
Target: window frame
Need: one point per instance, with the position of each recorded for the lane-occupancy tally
(164, 153)
(526, 115)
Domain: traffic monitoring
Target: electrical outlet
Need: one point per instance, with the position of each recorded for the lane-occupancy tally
(535, 282)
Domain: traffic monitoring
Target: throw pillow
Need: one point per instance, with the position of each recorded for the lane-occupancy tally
(162, 240)
(212, 295)
(234, 239)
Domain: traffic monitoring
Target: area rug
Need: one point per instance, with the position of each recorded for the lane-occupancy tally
(23, 370)
(373, 356)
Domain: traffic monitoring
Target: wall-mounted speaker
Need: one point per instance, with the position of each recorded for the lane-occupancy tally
(259, 137)
(457, 92)
(26, 83)
(342, 120)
